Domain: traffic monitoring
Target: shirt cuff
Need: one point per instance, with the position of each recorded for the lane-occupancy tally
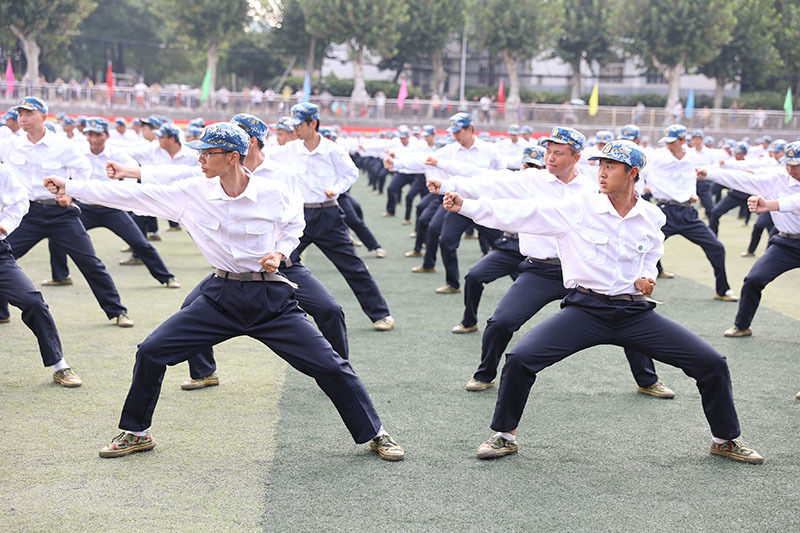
(447, 186)
(469, 207)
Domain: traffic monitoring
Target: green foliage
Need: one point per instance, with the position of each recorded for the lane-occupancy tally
(666, 33)
(588, 32)
(292, 34)
(344, 86)
(523, 28)
(366, 24)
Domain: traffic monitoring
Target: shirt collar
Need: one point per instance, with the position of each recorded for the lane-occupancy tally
(216, 192)
(603, 205)
(47, 139)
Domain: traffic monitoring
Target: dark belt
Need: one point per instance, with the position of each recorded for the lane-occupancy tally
(789, 235)
(673, 202)
(47, 202)
(252, 276)
(624, 297)
(317, 205)
(286, 263)
(551, 261)
(511, 235)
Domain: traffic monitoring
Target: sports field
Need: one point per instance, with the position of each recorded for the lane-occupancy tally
(266, 450)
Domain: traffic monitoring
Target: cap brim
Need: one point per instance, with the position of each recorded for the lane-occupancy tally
(668, 139)
(29, 107)
(200, 145)
(93, 130)
(790, 161)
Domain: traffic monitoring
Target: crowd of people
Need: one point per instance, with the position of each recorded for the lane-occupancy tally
(567, 218)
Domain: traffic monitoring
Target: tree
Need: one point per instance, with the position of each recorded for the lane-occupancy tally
(787, 42)
(292, 35)
(362, 25)
(209, 23)
(675, 35)
(518, 29)
(425, 35)
(748, 56)
(33, 20)
(588, 35)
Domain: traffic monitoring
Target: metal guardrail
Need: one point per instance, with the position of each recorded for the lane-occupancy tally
(177, 104)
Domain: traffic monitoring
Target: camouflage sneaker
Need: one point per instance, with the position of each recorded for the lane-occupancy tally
(496, 447)
(127, 443)
(727, 297)
(384, 324)
(477, 385)
(212, 380)
(736, 332)
(413, 253)
(421, 269)
(797, 396)
(172, 283)
(665, 275)
(387, 448)
(461, 328)
(659, 390)
(448, 289)
(66, 377)
(124, 322)
(735, 449)
(131, 261)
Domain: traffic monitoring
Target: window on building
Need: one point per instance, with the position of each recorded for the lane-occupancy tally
(612, 72)
(654, 77)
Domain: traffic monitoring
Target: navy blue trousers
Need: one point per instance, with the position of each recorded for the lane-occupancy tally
(587, 320)
(426, 208)
(502, 261)
(418, 188)
(62, 225)
(325, 227)
(311, 296)
(265, 311)
(684, 221)
(782, 255)
(395, 190)
(453, 226)
(537, 285)
(354, 218)
(433, 233)
(732, 200)
(123, 226)
(16, 288)
(705, 196)
(763, 222)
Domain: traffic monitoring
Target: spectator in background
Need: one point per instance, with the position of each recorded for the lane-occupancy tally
(325, 98)
(380, 103)
(485, 105)
(269, 96)
(256, 97)
(223, 97)
(734, 115)
(436, 104)
(286, 98)
(140, 92)
(638, 112)
(415, 106)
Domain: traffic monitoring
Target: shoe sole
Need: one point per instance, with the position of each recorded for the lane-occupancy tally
(654, 394)
(465, 330)
(111, 454)
(726, 298)
(195, 386)
(496, 454)
(388, 457)
(739, 458)
(478, 388)
(67, 384)
(737, 335)
(5, 320)
(57, 284)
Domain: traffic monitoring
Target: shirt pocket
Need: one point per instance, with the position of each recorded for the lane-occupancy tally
(17, 159)
(596, 240)
(50, 165)
(206, 222)
(255, 236)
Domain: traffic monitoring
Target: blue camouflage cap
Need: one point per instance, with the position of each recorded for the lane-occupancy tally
(50, 126)
(61, 115)
(673, 132)
(416, 130)
(198, 122)
(120, 121)
(740, 148)
(766, 139)
(69, 121)
(459, 121)
(254, 126)
(568, 136)
(429, 129)
(526, 130)
(304, 112)
(777, 145)
(708, 140)
(698, 133)
(193, 131)
(136, 122)
(31, 103)
(791, 154)
(484, 136)
(82, 120)
(12, 114)
(534, 155)
(603, 136)
(627, 152)
(96, 125)
(223, 135)
(285, 124)
(328, 133)
(629, 132)
(746, 140)
(728, 143)
(513, 129)
(403, 131)
(168, 130)
(153, 121)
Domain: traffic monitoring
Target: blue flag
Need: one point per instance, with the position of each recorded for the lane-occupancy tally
(690, 104)
(307, 88)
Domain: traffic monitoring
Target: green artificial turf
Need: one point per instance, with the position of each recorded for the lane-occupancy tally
(267, 451)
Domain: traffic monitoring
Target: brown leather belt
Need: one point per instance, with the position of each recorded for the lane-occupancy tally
(625, 297)
(252, 276)
(317, 205)
(789, 235)
(550, 261)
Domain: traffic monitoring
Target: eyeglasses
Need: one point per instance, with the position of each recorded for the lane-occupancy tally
(205, 153)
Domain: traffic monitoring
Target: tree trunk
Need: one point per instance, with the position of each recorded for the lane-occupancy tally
(211, 65)
(512, 101)
(673, 75)
(359, 94)
(719, 86)
(310, 57)
(438, 73)
(31, 50)
(575, 79)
